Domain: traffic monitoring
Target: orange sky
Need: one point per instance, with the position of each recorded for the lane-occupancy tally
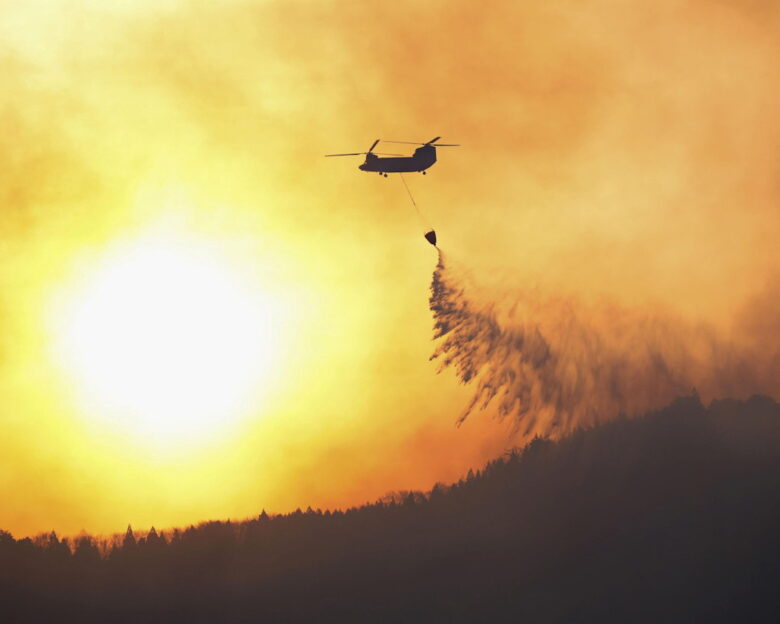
(609, 150)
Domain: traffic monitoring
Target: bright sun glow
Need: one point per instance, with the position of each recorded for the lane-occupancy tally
(168, 340)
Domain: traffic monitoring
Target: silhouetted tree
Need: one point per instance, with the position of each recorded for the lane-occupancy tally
(86, 551)
(129, 541)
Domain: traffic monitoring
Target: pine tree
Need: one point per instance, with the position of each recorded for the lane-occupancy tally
(129, 541)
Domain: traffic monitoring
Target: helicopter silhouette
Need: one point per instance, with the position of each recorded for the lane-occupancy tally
(423, 158)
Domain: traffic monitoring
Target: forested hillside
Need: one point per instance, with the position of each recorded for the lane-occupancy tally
(671, 517)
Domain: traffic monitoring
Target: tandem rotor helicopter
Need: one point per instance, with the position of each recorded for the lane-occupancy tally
(423, 158)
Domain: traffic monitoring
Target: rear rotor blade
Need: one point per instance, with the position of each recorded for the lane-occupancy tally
(431, 142)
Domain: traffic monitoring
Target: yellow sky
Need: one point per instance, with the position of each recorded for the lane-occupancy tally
(609, 150)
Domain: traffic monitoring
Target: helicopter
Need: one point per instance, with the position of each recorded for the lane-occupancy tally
(423, 158)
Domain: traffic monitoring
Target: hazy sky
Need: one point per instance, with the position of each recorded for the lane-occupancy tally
(612, 150)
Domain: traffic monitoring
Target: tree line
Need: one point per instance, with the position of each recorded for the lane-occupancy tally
(669, 517)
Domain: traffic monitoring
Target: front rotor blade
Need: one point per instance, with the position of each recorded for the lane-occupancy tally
(352, 154)
(371, 149)
(446, 144)
(433, 140)
(406, 142)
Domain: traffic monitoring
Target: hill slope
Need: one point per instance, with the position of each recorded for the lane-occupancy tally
(671, 517)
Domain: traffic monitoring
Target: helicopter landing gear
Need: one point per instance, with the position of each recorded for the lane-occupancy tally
(384, 174)
(424, 172)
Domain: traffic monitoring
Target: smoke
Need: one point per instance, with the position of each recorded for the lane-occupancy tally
(556, 363)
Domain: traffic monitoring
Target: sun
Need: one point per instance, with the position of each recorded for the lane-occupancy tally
(166, 339)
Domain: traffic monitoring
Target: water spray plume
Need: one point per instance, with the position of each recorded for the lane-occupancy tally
(555, 364)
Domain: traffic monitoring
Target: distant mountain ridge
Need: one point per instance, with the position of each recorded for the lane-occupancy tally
(671, 517)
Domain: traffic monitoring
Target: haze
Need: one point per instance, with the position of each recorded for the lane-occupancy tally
(610, 152)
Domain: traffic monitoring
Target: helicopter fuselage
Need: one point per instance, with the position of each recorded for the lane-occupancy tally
(423, 158)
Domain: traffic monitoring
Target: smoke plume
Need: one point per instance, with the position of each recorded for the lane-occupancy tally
(556, 363)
